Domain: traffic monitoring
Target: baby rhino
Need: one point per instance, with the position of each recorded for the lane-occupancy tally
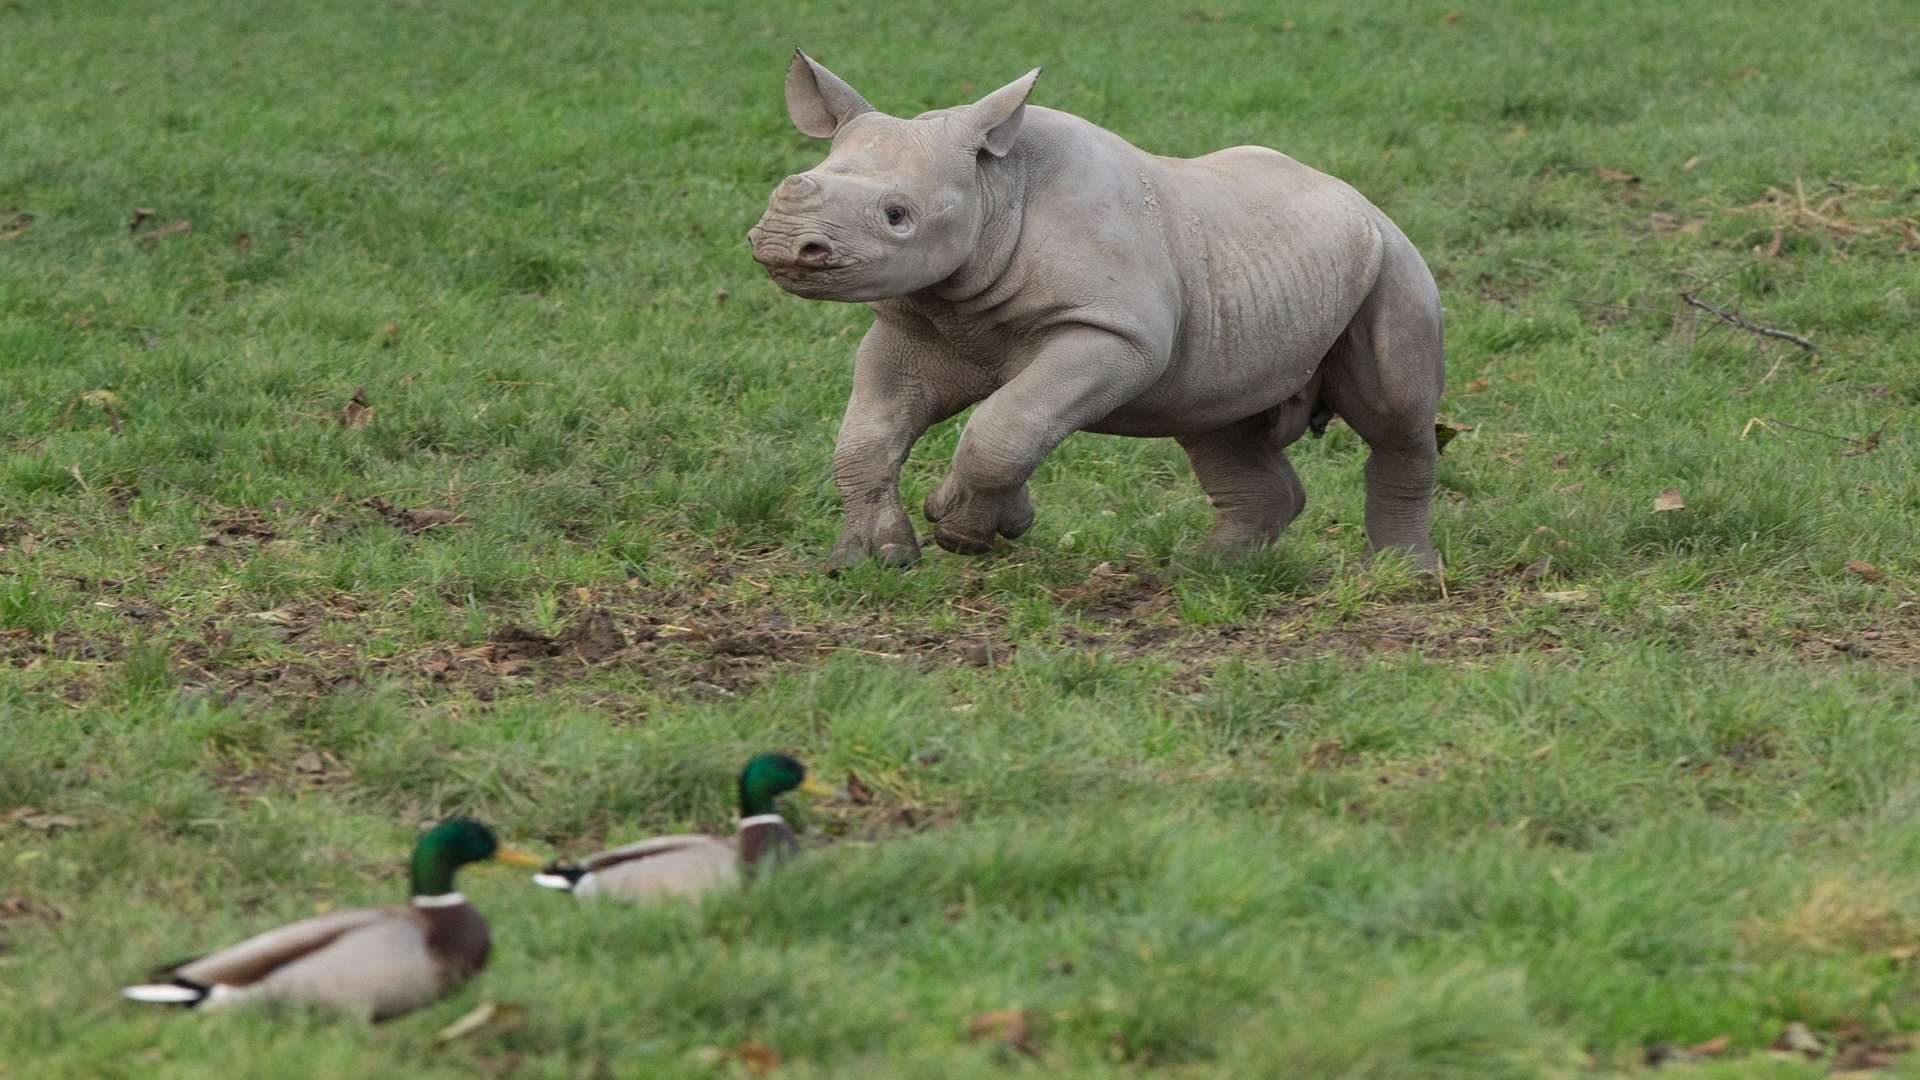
(1067, 281)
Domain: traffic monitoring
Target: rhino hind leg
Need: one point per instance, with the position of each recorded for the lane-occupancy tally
(1384, 376)
(1244, 470)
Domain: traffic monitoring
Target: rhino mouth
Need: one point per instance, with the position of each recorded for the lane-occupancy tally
(804, 269)
(808, 278)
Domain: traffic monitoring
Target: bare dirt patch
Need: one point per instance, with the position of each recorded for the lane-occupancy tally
(701, 641)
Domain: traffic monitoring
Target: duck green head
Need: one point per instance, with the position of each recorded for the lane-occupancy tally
(768, 776)
(452, 844)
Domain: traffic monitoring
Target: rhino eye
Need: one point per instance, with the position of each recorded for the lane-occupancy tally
(896, 214)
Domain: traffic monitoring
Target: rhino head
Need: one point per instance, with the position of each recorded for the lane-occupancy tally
(897, 206)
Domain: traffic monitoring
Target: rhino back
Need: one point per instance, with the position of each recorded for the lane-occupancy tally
(1272, 260)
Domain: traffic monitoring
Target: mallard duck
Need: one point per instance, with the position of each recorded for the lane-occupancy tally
(376, 963)
(694, 864)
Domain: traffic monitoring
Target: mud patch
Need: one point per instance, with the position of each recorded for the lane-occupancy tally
(1113, 593)
(703, 641)
(25, 649)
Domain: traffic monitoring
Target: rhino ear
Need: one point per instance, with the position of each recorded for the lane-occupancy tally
(997, 116)
(817, 100)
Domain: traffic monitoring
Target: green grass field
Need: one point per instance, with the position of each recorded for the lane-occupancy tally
(1625, 782)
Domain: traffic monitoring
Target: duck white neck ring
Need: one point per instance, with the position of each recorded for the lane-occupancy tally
(761, 819)
(451, 899)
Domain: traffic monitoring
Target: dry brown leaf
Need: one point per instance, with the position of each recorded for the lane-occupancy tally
(1866, 1056)
(153, 236)
(49, 822)
(423, 518)
(416, 520)
(17, 907)
(1450, 18)
(1668, 500)
(1716, 1045)
(759, 1058)
(1014, 1027)
(1687, 166)
(1476, 386)
(1667, 223)
(1326, 755)
(15, 225)
(140, 215)
(1616, 176)
(1864, 570)
(310, 762)
(357, 413)
(857, 791)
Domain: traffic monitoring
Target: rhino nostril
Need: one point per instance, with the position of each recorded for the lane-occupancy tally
(814, 253)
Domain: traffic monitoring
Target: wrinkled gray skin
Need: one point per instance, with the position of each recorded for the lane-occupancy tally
(1027, 260)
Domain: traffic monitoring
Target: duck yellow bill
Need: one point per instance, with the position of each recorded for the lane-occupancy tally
(516, 857)
(815, 787)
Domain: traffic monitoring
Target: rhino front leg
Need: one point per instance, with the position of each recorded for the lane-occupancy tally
(896, 398)
(1079, 375)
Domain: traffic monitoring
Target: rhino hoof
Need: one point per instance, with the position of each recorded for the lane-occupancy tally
(1021, 522)
(851, 555)
(962, 543)
(899, 554)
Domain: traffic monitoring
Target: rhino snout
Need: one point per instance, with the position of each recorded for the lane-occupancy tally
(777, 252)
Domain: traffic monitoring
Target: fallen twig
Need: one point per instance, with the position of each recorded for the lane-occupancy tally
(1810, 431)
(1736, 319)
(1870, 442)
(1856, 444)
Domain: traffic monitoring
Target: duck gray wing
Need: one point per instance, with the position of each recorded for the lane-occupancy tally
(247, 962)
(664, 866)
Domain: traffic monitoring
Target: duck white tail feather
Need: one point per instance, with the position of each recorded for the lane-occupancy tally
(163, 994)
(553, 881)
